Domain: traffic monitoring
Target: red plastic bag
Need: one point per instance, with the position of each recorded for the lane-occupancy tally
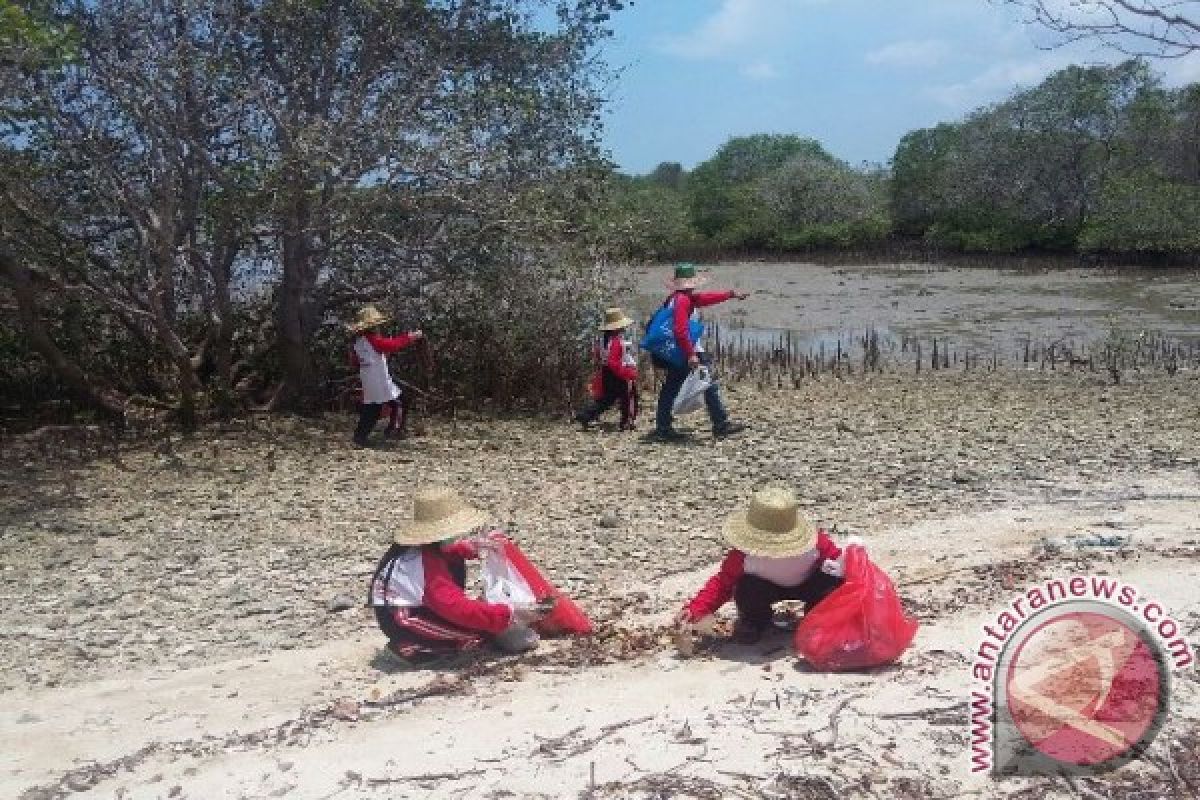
(510, 578)
(860, 624)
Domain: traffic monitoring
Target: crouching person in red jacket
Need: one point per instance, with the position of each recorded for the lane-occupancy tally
(777, 556)
(418, 588)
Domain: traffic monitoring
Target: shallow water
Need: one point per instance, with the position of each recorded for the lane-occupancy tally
(969, 308)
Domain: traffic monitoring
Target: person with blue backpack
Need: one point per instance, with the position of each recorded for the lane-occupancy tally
(673, 341)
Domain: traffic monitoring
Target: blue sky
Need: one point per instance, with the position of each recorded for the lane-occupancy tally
(854, 74)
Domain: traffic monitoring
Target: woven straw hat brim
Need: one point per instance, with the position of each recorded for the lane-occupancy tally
(367, 322)
(769, 544)
(359, 327)
(623, 322)
(460, 523)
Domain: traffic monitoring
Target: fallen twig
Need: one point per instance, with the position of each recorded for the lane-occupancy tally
(426, 778)
(924, 712)
(833, 720)
(1179, 778)
(930, 577)
(549, 744)
(1083, 790)
(438, 686)
(605, 732)
(745, 776)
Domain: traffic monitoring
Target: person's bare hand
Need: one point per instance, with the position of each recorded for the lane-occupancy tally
(527, 616)
(739, 295)
(693, 361)
(418, 334)
(683, 618)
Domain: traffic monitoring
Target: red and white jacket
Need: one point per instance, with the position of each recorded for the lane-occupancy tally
(369, 354)
(790, 571)
(421, 577)
(683, 304)
(617, 357)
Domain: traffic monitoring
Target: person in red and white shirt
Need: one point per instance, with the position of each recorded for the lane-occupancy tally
(776, 555)
(369, 352)
(615, 379)
(417, 589)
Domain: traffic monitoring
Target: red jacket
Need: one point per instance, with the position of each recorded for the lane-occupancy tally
(446, 598)
(383, 344)
(685, 303)
(719, 589)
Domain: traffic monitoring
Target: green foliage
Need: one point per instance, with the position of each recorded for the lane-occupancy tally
(654, 219)
(28, 35)
(1040, 170)
(917, 187)
(773, 192)
(1144, 212)
(721, 196)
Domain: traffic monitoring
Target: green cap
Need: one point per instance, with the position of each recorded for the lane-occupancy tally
(684, 270)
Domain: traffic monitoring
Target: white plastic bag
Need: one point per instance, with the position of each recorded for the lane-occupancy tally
(691, 395)
(504, 583)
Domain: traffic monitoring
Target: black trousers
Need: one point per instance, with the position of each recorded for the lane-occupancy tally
(616, 392)
(369, 413)
(754, 596)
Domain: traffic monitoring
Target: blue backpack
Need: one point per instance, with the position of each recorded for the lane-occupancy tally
(660, 335)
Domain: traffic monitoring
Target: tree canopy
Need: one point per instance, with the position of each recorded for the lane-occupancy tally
(212, 184)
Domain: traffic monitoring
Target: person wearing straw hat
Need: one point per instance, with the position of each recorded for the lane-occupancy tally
(417, 589)
(777, 555)
(369, 353)
(615, 379)
(684, 302)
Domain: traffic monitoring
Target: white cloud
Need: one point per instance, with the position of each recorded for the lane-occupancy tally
(760, 71)
(737, 25)
(1000, 79)
(910, 53)
(1180, 71)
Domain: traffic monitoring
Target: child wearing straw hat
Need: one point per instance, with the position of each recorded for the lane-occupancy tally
(777, 555)
(683, 303)
(615, 379)
(417, 589)
(369, 353)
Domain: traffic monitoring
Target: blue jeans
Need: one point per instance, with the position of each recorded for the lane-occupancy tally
(670, 390)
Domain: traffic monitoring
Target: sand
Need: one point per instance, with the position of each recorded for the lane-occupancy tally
(730, 721)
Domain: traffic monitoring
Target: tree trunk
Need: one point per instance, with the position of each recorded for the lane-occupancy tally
(164, 316)
(187, 393)
(296, 314)
(105, 399)
(223, 361)
(222, 340)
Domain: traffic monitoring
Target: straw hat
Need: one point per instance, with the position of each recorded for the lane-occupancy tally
(440, 513)
(615, 320)
(368, 317)
(770, 527)
(686, 277)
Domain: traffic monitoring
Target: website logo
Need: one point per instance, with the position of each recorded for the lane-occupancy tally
(1072, 678)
